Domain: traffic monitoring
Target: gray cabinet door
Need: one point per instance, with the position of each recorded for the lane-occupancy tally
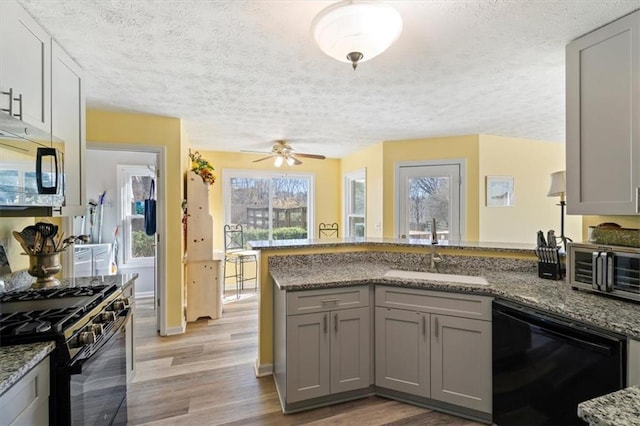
(402, 351)
(307, 356)
(25, 66)
(68, 124)
(603, 120)
(461, 362)
(349, 349)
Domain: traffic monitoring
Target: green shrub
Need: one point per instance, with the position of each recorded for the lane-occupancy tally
(292, 233)
(142, 245)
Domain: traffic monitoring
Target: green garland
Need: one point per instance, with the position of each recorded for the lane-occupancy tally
(202, 168)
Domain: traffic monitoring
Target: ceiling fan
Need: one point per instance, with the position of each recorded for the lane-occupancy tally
(283, 152)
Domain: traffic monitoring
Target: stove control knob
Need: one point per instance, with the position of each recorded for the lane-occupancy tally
(120, 305)
(106, 317)
(95, 329)
(86, 338)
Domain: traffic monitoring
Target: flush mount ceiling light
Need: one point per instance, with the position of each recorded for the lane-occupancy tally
(356, 31)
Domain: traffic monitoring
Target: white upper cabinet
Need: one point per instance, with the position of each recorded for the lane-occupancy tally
(25, 67)
(603, 120)
(68, 125)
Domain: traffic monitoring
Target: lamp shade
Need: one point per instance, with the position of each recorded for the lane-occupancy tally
(359, 29)
(278, 160)
(558, 184)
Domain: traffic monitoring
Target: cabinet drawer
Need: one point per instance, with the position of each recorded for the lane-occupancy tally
(302, 302)
(439, 302)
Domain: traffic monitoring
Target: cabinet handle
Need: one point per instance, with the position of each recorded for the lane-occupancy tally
(336, 320)
(10, 109)
(325, 323)
(327, 301)
(637, 199)
(437, 326)
(19, 99)
(424, 326)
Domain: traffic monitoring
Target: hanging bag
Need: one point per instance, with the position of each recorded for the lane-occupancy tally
(150, 210)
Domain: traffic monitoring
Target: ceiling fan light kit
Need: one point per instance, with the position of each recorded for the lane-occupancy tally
(356, 31)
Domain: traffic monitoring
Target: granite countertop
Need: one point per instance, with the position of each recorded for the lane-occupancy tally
(18, 360)
(392, 242)
(21, 282)
(621, 408)
(556, 297)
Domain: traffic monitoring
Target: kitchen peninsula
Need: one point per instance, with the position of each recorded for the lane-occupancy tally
(367, 268)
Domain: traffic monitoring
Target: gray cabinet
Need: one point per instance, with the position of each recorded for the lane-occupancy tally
(25, 67)
(603, 120)
(461, 362)
(322, 345)
(434, 345)
(27, 401)
(68, 125)
(402, 351)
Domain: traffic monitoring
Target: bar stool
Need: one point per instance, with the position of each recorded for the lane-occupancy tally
(329, 230)
(236, 254)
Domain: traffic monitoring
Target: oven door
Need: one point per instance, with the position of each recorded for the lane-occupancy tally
(98, 382)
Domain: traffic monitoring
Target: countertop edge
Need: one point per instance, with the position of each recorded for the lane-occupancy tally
(21, 359)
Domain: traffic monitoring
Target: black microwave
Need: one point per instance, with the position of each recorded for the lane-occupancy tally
(605, 269)
(31, 170)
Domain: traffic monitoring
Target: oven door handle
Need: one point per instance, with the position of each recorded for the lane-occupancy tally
(76, 365)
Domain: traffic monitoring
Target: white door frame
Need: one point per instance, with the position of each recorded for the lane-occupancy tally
(463, 189)
(161, 222)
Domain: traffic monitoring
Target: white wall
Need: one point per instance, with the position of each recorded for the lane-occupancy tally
(101, 176)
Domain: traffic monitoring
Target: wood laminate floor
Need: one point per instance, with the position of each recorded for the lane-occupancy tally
(206, 377)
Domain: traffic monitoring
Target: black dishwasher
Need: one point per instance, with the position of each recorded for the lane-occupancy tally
(544, 365)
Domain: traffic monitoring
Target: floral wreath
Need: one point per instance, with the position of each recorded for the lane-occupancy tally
(202, 168)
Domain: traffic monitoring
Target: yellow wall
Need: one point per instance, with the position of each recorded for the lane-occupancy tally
(370, 159)
(531, 164)
(454, 147)
(17, 261)
(327, 185)
(157, 131)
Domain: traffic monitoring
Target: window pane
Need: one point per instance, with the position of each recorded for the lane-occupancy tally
(428, 197)
(142, 245)
(357, 194)
(290, 202)
(270, 208)
(140, 189)
(356, 226)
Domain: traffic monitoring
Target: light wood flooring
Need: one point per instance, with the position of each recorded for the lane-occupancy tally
(206, 377)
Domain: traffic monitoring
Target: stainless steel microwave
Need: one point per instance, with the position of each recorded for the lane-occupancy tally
(605, 269)
(31, 170)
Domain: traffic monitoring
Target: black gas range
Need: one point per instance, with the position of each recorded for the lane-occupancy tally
(88, 365)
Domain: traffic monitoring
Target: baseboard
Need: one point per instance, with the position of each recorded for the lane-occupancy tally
(144, 294)
(263, 370)
(171, 331)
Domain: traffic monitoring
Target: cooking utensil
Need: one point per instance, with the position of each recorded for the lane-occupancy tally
(541, 241)
(23, 243)
(29, 235)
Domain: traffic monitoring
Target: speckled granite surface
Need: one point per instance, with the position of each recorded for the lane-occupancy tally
(391, 242)
(510, 279)
(16, 361)
(621, 408)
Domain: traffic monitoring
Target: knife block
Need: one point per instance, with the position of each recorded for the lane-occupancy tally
(550, 263)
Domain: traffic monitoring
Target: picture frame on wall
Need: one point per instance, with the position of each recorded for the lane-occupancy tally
(500, 191)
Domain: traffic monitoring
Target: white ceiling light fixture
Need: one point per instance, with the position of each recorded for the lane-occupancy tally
(356, 31)
(278, 160)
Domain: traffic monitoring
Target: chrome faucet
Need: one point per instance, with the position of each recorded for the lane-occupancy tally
(434, 259)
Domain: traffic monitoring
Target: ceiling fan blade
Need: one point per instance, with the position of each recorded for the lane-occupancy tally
(316, 156)
(296, 162)
(255, 152)
(262, 159)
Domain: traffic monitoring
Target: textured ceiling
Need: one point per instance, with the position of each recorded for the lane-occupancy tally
(244, 73)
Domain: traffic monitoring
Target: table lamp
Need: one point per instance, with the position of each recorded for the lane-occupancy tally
(559, 189)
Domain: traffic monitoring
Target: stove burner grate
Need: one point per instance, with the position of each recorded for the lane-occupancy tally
(52, 293)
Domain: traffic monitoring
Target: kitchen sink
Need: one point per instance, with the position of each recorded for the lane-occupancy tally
(431, 276)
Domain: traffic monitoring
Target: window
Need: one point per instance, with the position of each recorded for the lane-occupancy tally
(135, 184)
(355, 203)
(270, 206)
(427, 191)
